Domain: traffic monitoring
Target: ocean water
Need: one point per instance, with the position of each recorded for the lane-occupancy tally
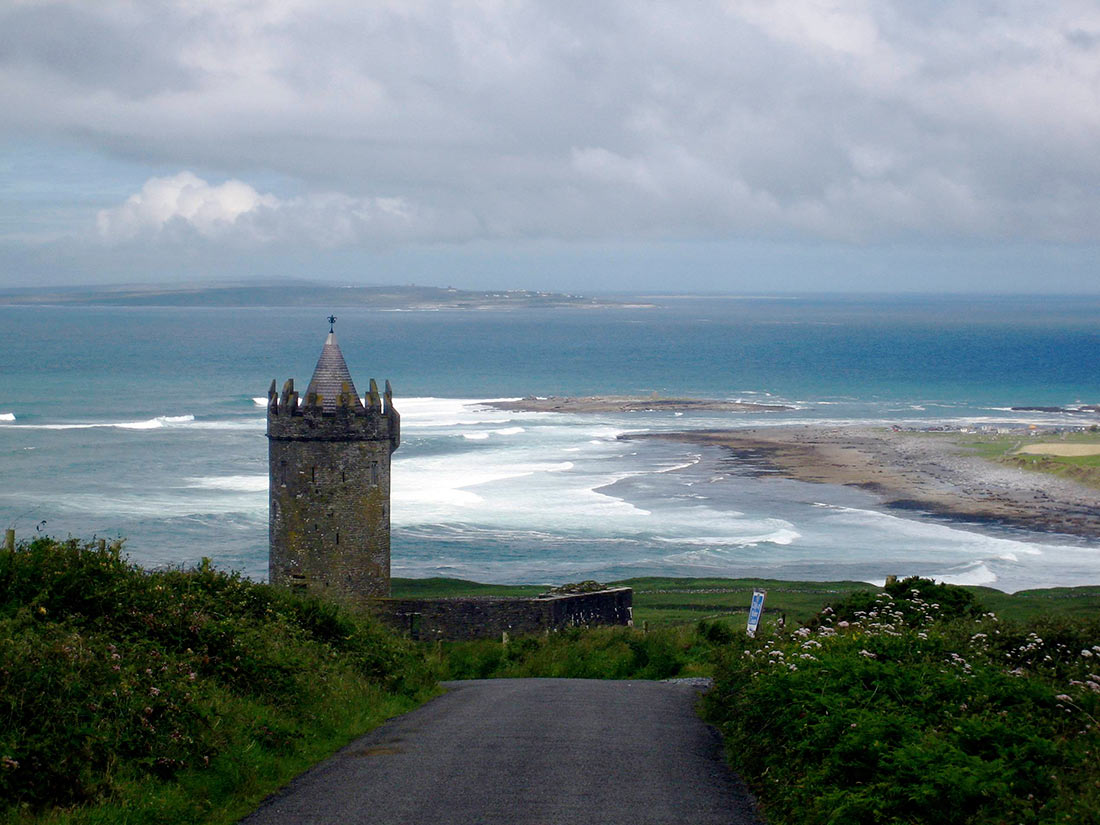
(149, 424)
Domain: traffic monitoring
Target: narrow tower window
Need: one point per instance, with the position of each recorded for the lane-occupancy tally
(312, 473)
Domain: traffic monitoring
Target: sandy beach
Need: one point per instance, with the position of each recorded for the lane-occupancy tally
(926, 472)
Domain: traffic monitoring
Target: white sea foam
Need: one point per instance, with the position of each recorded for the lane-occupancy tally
(429, 412)
(683, 466)
(260, 400)
(243, 424)
(148, 424)
(784, 534)
(509, 431)
(7, 416)
(237, 484)
(475, 436)
(156, 423)
(974, 575)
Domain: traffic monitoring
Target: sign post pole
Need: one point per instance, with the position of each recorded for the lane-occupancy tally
(756, 608)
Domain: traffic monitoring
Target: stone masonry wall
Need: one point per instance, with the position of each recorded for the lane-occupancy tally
(330, 517)
(329, 494)
(459, 619)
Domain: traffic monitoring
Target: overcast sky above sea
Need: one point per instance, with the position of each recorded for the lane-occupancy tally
(735, 146)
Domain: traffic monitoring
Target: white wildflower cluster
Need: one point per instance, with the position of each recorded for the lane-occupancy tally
(887, 617)
(958, 661)
(1092, 682)
(1032, 645)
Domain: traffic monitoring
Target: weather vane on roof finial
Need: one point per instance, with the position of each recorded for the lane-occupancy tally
(331, 321)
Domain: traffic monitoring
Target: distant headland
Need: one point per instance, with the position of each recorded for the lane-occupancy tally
(289, 294)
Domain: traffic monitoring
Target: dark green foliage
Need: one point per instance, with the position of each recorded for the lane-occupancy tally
(914, 602)
(586, 586)
(596, 653)
(109, 674)
(893, 715)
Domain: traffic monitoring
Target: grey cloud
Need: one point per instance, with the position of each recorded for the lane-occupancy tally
(91, 51)
(860, 121)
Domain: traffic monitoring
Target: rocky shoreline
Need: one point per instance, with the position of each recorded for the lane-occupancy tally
(621, 404)
(932, 474)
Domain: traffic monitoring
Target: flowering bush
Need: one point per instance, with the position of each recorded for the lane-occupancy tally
(901, 715)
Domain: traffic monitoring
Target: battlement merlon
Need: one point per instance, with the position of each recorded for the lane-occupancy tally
(289, 420)
(395, 418)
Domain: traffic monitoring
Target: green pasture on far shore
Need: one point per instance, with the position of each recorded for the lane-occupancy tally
(661, 601)
(1003, 448)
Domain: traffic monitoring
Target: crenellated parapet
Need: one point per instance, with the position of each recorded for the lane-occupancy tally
(371, 418)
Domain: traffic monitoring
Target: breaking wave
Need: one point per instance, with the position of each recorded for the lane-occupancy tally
(236, 484)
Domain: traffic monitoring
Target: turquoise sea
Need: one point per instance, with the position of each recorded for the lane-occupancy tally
(148, 423)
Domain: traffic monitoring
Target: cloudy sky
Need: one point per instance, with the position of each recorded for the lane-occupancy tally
(595, 145)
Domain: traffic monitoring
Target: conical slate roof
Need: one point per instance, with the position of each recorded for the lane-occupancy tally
(330, 376)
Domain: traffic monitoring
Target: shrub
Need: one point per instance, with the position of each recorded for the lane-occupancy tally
(109, 674)
(887, 716)
(594, 653)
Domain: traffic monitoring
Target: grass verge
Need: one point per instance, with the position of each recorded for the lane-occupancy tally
(175, 696)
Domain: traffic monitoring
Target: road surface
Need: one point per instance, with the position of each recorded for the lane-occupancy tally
(518, 751)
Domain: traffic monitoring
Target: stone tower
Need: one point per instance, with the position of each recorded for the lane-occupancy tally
(329, 465)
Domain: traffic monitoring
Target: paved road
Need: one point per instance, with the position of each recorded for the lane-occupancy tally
(519, 751)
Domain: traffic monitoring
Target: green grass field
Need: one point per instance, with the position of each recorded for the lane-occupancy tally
(664, 602)
(1003, 449)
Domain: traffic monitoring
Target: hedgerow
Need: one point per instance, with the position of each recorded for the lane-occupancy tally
(111, 676)
(882, 710)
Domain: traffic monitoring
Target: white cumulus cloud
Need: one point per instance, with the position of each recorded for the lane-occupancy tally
(183, 199)
(184, 205)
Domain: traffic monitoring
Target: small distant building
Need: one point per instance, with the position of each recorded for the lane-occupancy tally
(329, 486)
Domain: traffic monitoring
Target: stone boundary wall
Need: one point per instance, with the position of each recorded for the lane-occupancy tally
(464, 618)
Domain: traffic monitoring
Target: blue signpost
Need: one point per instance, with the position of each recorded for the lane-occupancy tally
(756, 608)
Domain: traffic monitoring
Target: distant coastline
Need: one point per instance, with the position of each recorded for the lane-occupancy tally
(407, 298)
